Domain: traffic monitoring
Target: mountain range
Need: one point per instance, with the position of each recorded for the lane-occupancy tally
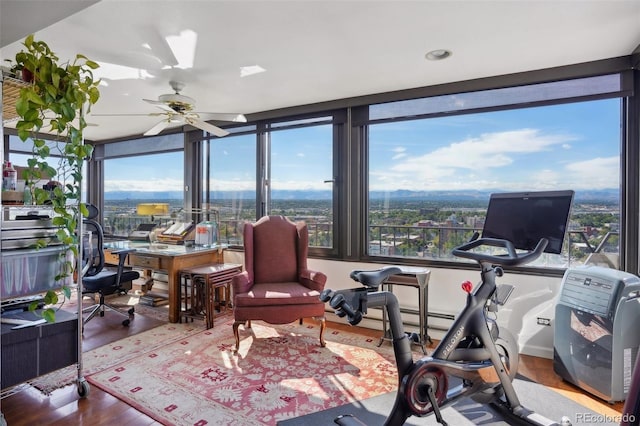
(604, 195)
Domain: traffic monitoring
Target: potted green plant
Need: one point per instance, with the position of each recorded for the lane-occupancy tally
(54, 103)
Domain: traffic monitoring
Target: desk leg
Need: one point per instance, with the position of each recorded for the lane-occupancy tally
(386, 333)
(423, 332)
(424, 326)
(174, 296)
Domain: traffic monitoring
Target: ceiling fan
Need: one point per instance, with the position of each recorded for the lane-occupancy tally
(177, 108)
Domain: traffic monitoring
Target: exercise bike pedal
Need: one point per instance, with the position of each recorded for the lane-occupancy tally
(413, 337)
(348, 420)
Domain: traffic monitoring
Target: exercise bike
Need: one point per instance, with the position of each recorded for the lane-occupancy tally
(483, 357)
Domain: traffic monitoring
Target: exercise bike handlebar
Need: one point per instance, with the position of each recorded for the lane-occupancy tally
(510, 258)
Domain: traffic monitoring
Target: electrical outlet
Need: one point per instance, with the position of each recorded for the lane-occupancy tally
(544, 321)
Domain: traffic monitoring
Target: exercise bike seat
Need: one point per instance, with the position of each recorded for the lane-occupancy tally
(373, 279)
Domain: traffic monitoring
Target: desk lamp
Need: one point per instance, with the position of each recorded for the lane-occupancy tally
(151, 209)
(149, 231)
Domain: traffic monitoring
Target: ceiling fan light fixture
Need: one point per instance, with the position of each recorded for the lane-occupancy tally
(438, 54)
(178, 109)
(176, 98)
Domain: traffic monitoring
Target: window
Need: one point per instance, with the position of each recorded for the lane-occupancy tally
(300, 176)
(130, 181)
(286, 167)
(430, 178)
(20, 152)
(137, 171)
(232, 183)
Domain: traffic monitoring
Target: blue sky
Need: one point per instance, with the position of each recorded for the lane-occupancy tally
(573, 146)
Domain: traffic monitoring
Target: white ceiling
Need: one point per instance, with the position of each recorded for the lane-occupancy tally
(316, 51)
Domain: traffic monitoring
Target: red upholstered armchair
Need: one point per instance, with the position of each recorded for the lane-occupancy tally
(276, 286)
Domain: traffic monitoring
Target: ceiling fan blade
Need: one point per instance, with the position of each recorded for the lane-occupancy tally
(157, 128)
(222, 116)
(203, 125)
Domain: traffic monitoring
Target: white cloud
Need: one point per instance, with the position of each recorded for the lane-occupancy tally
(232, 185)
(490, 150)
(458, 165)
(400, 152)
(598, 172)
(144, 185)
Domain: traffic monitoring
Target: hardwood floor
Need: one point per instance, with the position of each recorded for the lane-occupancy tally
(64, 407)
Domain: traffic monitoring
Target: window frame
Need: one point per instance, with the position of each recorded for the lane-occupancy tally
(338, 122)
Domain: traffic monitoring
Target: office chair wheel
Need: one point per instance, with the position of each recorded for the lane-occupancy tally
(126, 322)
(83, 388)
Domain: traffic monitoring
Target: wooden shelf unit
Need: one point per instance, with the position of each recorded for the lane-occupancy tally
(10, 93)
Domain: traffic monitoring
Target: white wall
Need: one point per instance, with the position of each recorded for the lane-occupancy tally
(532, 298)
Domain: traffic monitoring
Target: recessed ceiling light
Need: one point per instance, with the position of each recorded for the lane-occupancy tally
(251, 70)
(438, 54)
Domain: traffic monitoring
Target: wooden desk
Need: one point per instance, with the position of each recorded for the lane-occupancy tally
(171, 259)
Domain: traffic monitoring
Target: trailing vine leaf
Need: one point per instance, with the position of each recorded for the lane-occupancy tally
(63, 90)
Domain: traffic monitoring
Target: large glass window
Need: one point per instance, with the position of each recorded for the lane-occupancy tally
(145, 179)
(285, 166)
(300, 181)
(430, 179)
(232, 183)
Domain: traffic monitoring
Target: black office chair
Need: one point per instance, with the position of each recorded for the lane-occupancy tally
(99, 280)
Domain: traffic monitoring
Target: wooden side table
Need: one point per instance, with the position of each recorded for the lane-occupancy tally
(417, 278)
(209, 294)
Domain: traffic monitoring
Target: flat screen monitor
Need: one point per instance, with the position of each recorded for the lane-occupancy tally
(524, 218)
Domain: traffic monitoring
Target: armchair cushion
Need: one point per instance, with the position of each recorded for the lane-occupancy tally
(277, 294)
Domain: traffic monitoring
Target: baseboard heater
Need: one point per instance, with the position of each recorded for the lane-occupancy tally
(437, 315)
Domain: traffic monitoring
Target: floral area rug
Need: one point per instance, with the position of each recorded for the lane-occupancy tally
(130, 342)
(115, 352)
(280, 372)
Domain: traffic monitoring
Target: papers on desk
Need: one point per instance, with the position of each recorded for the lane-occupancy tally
(178, 228)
